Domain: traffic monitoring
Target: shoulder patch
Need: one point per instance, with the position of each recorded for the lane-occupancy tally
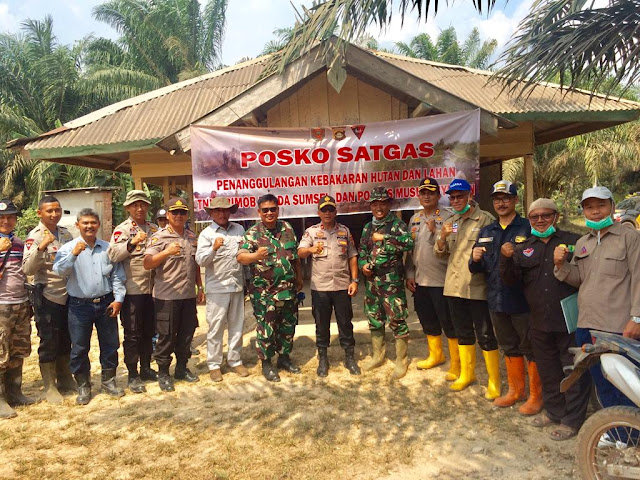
(116, 235)
(28, 243)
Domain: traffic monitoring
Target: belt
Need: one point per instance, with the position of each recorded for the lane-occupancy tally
(93, 300)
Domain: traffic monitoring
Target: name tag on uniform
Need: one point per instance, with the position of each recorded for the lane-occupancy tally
(485, 240)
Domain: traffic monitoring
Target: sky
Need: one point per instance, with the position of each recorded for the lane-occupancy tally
(250, 23)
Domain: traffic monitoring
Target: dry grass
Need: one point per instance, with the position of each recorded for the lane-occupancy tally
(303, 428)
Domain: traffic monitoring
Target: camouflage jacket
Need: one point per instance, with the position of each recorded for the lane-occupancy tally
(273, 277)
(385, 256)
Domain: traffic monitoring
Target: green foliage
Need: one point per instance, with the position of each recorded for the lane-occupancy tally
(27, 221)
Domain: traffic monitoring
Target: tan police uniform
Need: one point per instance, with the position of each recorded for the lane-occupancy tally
(51, 313)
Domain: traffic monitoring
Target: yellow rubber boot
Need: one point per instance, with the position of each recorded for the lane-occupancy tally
(467, 367)
(492, 363)
(436, 357)
(454, 355)
(378, 356)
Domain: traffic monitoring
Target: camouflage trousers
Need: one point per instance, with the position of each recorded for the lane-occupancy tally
(15, 334)
(276, 325)
(386, 303)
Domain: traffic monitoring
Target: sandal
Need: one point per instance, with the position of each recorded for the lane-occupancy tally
(563, 432)
(542, 421)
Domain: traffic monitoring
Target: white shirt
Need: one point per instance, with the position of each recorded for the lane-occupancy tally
(223, 273)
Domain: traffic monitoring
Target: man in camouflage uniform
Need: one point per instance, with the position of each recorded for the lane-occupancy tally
(128, 245)
(50, 299)
(177, 288)
(15, 313)
(383, 243)
(269, 247)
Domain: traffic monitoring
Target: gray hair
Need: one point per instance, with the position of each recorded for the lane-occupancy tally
(87, 212)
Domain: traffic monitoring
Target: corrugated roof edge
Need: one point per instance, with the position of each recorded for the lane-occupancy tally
(488, 73)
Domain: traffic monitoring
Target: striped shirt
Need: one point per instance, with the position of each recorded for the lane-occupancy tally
(12, 289)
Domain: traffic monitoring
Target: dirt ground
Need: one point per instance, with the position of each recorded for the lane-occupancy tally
(361, 427)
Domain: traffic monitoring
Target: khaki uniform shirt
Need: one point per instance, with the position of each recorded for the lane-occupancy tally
(330, 270)
(39, 264)
(175, 278)
(608, 277)
(139, 280)
(459, 281)
(422, 263)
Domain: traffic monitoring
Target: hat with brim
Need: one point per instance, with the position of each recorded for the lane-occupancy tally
(430, 184)
(177, 204)
(162, 213)
(222, 202)
(136, 196)
(603, 193)
(458, 185)
(379, 194)
(7, 207)
(325, 201)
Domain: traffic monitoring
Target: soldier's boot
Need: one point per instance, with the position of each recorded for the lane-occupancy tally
(515, 378)
(350, 362)
(65, 381)
(146, 372)
(323, 363)
(5, 410)
(51, 393)
(402, 358)
(492, 363)
(183, 373)
(134, 382)
(436, 356)
(269, 372)
(285, 363)
(454, 354)
(84, 388)
(533, 404)
(108, 384)
(13, 387)
(164, 379)
(467, 367)
(379, 354)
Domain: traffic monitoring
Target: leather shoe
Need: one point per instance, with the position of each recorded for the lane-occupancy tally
(84, 388)
(109, 383)
(135, 385)
(284, 363)
(165, 382)
(269, 372)
(215, 375)
(350, 363)
(148, 375)
(241, 370)
(323, 363)
(183, 373)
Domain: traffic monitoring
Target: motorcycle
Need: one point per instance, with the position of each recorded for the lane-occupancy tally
(608, 444)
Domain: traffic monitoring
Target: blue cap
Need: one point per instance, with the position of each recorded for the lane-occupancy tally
(459, 185)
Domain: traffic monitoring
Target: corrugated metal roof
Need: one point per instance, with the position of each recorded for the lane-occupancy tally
(474, 86)
(160, 113)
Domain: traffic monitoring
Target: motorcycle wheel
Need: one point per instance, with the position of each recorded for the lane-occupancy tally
(596, 458)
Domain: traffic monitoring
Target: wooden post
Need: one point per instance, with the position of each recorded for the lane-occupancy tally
(528, 181)
(192, 213)
(137, 182)
(166, 194)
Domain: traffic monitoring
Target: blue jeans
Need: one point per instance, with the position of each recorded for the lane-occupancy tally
(608, 394)
(82, 316)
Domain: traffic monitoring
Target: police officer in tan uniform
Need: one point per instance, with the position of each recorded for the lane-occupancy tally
(171, 252)
(49, 299)
(127, 245)
(334, 280)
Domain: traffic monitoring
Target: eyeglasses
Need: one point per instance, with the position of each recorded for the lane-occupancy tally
(180, 212)
(328, 209)
(269, 209)
(503, 200)
(458, 197)
(544, 216)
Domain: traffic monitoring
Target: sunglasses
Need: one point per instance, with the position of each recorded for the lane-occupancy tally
(269, 209)
(180, 212)
(544, 216)
(328, 209)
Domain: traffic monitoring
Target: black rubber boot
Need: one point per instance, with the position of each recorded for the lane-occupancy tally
(13, 387)
(323, 363)
(269, 372)
(165, 382)
(134, 381)
(109, 383)
(66, 383)
(84, 388)
(350, 362)
(285, 363)
(183, 373)
(147, 374)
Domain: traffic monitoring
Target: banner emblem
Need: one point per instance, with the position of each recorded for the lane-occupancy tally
(317, 133)
(358, 130)
(339, 133)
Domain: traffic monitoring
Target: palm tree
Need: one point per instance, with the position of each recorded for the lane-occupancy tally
(472, 53)
(170, 40)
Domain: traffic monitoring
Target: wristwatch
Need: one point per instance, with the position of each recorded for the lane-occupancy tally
(635, 319)
(355, 280)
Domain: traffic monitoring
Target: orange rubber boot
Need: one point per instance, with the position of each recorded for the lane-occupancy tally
(515, 377)
(534, 404)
